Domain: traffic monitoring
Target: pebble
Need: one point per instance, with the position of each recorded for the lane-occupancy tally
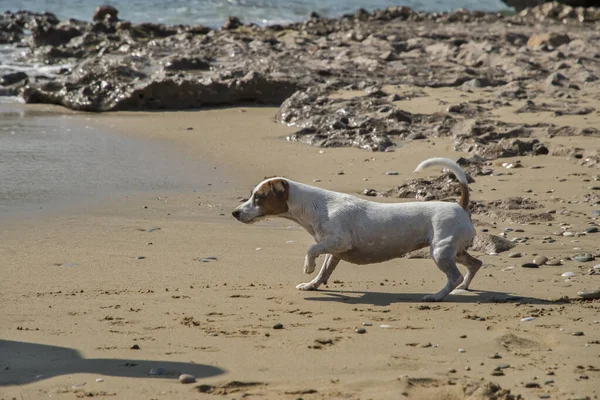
(583, 257)
(461, 350)
(540, 260)
(596, 213)
(278, 326)
(554, 262)
(544, 396)
(591, 229)
(157, 371)
(135, 347)
(514, 255)
(567, 233)
(531, 385)
(498, 372)
(361, 330)
(548, 381)
(186, 378)
(578, 333)
(568, 274)
(530, 265)
(367, 324)
(527, 319)
(392, 173)
(502, 366)
(208, 259)
(99, 380)
(451, 370)
(495, 356)
(589, 294)
(140, 257)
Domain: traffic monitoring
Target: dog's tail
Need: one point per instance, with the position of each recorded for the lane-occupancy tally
(456, 170)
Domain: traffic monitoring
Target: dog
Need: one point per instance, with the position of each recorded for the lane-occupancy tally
(359, 231)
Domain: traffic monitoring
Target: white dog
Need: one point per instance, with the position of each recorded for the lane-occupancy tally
(358, 231)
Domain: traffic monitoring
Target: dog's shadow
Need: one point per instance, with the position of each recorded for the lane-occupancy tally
(386, 299)
(22, 363)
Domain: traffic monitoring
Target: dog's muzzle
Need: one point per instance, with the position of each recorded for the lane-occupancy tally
(236, 214)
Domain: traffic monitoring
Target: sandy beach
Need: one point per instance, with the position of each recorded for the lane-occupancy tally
(118, 300)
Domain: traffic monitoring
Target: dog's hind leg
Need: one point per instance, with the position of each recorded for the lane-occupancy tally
(444, 257)
(472, 264)
(323, 276)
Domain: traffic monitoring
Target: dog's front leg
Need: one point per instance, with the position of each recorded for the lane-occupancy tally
(329, 247)
(328, 266)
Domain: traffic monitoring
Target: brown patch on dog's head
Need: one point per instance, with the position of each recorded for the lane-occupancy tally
(271, 196)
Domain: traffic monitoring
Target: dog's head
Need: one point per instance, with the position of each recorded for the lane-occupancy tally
(269, 198)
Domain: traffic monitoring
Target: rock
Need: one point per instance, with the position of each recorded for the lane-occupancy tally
(54, 35)
(548, 39)
(495, 356)
(497, 372)
(514, 255)
(12, 78)
(186, 63)
(360, 330)
(555, 79)
(530, 265)
(186, 378)
(577, 333)
(278, 326)
(135, 347)
(157, 371)
(592, 229)
(531, 385)
(487, 243)
(553, 262)
(568, 274)
(540, 260)
(392, 173)
(106, 12)
(589, 294)
(583, 257)
(232, 23)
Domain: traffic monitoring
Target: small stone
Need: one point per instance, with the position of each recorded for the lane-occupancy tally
(596, 213)
(392, 173)
(530, 265)
(135, 347)
(186, 378)
(99, 380)
(495, 356)
(527, 319)
(462, 350)
(531, 385)
(544, 396)
(463, 336)
(577, 333)
(451, 370)
(278, 326)
(502, 366)
(589, 294)
(550, 373)
(540, 260)
(583, 257)
(367, 324)
(514, 255)
(157, 371)
(591, 229)
(554, 262)
(140, 257)
(361, 330)
(498, 372)
(568, 274)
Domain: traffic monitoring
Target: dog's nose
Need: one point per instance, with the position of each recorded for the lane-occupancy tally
(236, 214)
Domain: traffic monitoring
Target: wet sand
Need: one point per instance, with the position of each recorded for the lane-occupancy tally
(79, 289)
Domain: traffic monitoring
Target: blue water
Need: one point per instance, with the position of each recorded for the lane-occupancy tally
(214, 12)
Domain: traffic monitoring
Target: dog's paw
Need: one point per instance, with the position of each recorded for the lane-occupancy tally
(309, 265)
(307, 286)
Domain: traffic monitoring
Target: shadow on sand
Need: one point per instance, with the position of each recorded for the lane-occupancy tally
(22, 363)
(385, 299)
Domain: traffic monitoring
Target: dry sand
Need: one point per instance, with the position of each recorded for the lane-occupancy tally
(76, 298)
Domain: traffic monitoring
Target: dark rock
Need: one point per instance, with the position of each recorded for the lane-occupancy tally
(12, 78)
(185, 63)
(54, 35)
(232, 23)
(106, 12)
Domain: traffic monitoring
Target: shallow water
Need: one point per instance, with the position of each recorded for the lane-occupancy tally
(51, 161)
(214, 12)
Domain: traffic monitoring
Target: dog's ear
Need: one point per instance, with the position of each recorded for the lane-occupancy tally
(280, 187)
